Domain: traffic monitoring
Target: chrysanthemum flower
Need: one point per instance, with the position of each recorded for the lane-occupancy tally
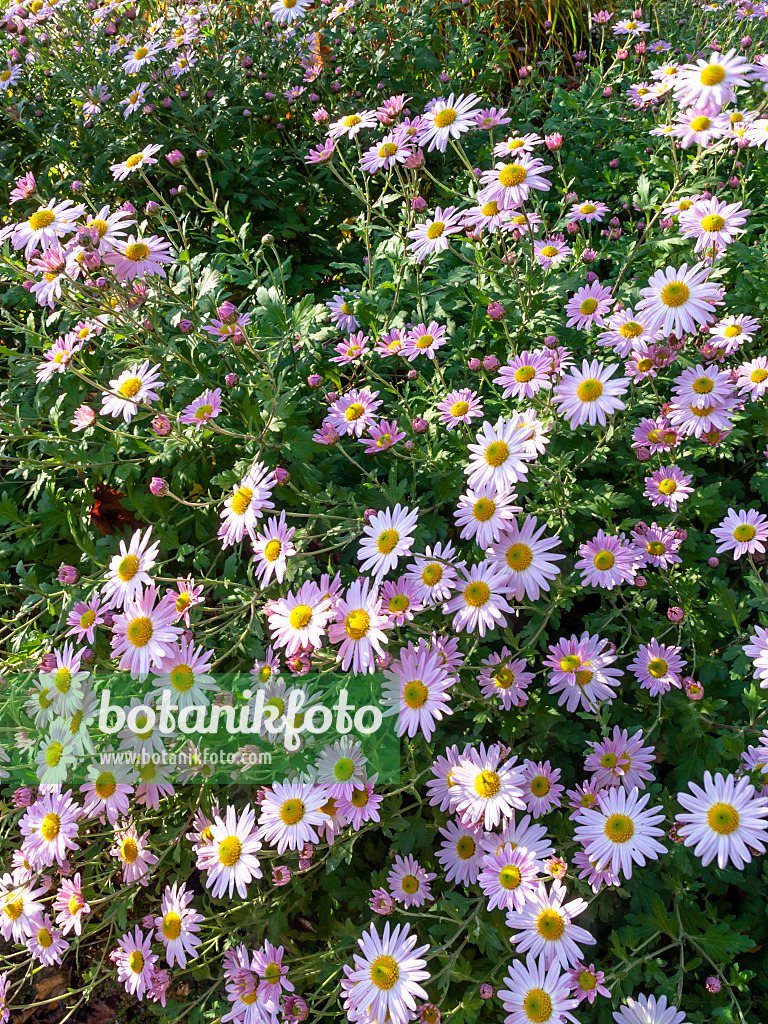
(341, 767)
(606, 561)
(351, 349)
(289, 813)
(409, 882)
(57, 358)
(135, 385)
(50, 827)
(460, 855)
(249, 501)
(518, 144)
(498, 456)
(139, 257)
(741, 532)
(668, 486)
(66, 683)
(342, 312)
(588, 211)
(657, 546)
(393, 149)
(505, 678)
(753, 378)
(359, 627)
(620, 832)
(524, 834)
(510, 183)
(508, 877)
(432, 236)
(128, 573)
(658, 667)
(46, 225)
(205, 407)
(488, 217)
(446, 119)
(621, 760)
(587, 983)
(678, 301)
(135, 962)
(416, 690)
(526, 558)
(400, 600)
(712, 82)
(631, 28)
(551, 252)
(351, 124)
(537, 992)
(698, 126)
(47, 946)
(381, 436)
(138, 57)
(624, 331)
(701, 386)
(132, 850)
(460, 407)
(178, 925)
(648, 1010)
(541, 790)
(285, 12)
(299, 620)
(84, 618)
(387, 536)
(272, 549)
(361, 805)
(589, 395)
(229, 858)
(355, 412)
(70, 905)
(184, 670)
(525, 374)
(269, 966)
(545, 926)
(108, 790)
(483, 514)
(589, 872)
(385, 981)
(581, 671)
(485, 789)
(20, 909)
(481, 602)
(144, 633)
(711, 221)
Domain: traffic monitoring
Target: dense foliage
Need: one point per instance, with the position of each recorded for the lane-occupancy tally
(416, 345)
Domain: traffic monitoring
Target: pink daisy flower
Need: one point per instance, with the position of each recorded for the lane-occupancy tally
(588, 305)
(416, 690)
(712, 222)
(544, 927)
(50, 827)
(135, 385)
(178, 925)
(342, 312)
(620, 831)
(248, 502)
(385, 979)
(299, 620)
(47, 945)
(144, 633)
(678, 301)
(70, 905)
(589, 395)
(359, 627)
(205, 407)
(229, 857)
(510, 183)
(485, 790)
(668, 486)
(481, 602)
(382, 436)
(432, 236)
(498, 456)
(460, 407)
(753, 378)
(361, 805)
(135, 962)
(108, 790)
(551, 252)
(587, 211)
(135, 162)
(723, 820)
(508, 877)
(526, 558)
(409, 882)
(587, 983)
(128, 573)
(505, 678)
(424, 340)
(351, 349)
(139, 257)
(534, 988)
(400, 600)
(606, 561)
(658, 667)
(483, 514)
(354, 413)
(84, 618)
(446, 119)
(460, 855)
(657, 546)
(620, 761)
(581, 672)
(527, 373)
(272, 549)
(290, 812)
(541, 790)
(741, 532)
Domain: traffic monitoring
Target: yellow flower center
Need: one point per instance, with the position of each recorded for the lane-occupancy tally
(75, 905)
(631, 329)
(477, 594)
(667, 486)
(732, 331)
(714, 222)
(512, 174)
(409, 884)
(537, 1006)
(497, 453)
(675, 294)
(570, 662)
(388, 149)
(132, 161)
(272, 973)
(445, 117)
(384, 972)
(203, 411)
(351, 120)
(490, 209)
(130, 388)
(140, 631)
(723, 819)
(127, 568)
(354, 411)
(510, 877)
(644, 365)
(357, 624)
(703, 385)
(140, 53)
(129, 851)
(14, 909)
(343, 769)
(105, 785)
(459, 409)
(584, 677)
(619, 828)
(699, 124)
(603, 561)
(656, 547)
(588, 208)
(50, 826)
(62, 680)
(504, 678)
(399, 603)
(713, 74)
(519, 557)
(292, 811)
(229, 851)
(415, 694)
(41, 219)
(589, 390)
(432, 574)
(87, 619)
(550, 925)
(466, 847)
(540, 786)
(387, 541)
(657, 667)
(136, 251)
(53, 754)
(44, 938)
(487, 784)
(241, 499)
(588, 307)
(435, 229)
(549, 251)
(744, 532)
(587, 981)
(360, 798)
(758, 376)
(524, 373)
(171, 926)
(300, 616)
(136, 962)
(484, 509)
(182, 678)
